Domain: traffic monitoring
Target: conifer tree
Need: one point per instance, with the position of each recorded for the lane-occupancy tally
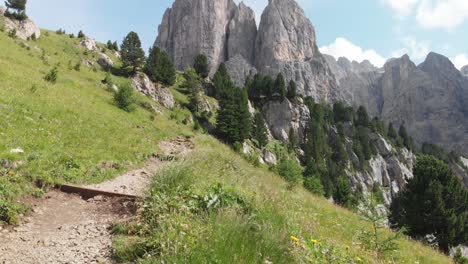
(233, 120)
(293, 141)
(196, 90)
(81, 34)
(292, 90)
(159, 67)
(362, 117)
(406, 139)
(132, 54)
(115, 46)
(280, 86)
(222, 81)
(391, 132)
(259, 130)
(20, 9)
(201, 66)
(433, 202)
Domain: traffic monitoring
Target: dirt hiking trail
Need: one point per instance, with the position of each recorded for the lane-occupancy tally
(64, 228)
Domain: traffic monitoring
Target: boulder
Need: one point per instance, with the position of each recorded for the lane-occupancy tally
(269, 157)
(24, 29)
(157, 92)
(90, 44)
(105, 62)
(281, 115)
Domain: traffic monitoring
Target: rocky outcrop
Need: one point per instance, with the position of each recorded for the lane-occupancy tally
(90, 44)
(157, 92)
(24, 29)
(281, 116)
(286, 44)
(105, 62)
(388, 170)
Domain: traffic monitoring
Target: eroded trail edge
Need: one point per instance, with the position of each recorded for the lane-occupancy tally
(66, 228)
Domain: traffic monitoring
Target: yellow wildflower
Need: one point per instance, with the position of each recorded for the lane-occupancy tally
(358, 259)
(347, 247)
(314, 241)
(295, 239)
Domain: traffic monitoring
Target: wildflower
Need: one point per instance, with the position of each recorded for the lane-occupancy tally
(295, 239)
(347, 248)
(358, 260)
(314, 241)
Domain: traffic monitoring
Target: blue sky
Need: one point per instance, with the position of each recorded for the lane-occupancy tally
(359, 29)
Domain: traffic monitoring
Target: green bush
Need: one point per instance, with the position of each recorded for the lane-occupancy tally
(290, 170)
(124, 98)
(52, 75)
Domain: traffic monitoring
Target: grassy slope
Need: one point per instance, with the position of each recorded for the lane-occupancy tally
(75, 123)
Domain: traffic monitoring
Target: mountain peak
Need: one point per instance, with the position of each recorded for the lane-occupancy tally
(436, 64)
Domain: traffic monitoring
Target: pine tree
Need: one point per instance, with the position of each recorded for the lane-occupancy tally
(132, 54)
(362, 117)
(343, 194)
(81, 34)
(433, 202)
(233, 120)
(109, 45)
(196, 90)
(115, 46)
(20, 9)
(124, 98)
(280, 86)
(292, 90)
(267, 87)
(159, 67)
(222, 81)
(293, 141)
(201, 66)
(259, 130)
(406, 139)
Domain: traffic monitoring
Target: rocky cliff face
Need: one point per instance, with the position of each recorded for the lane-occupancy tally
(219, 29)
(286, 44)
(227, 33)
(431, 99)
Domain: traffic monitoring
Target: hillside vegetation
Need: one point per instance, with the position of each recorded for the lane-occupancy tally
(212, 207)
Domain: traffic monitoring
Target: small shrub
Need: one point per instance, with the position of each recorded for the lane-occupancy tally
(81, 34)
(314, 185)
(72, 35)
(290, 170)
(52, 75)
(77, 66)
(12, 33)
(60, 32)
(33, 37)
(124, 98)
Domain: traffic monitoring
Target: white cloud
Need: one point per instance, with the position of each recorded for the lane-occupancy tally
(402, 7)
(460, 60)
(417, 50)
(446, 14)
(344, 48)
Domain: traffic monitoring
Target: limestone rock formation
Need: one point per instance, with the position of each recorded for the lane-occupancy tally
(157, 92)
(24, 29)
(431, 99)
(90, 44)
(242, 33)
(239, 68)
(281, 115)
(192, 27)
(286, 44)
